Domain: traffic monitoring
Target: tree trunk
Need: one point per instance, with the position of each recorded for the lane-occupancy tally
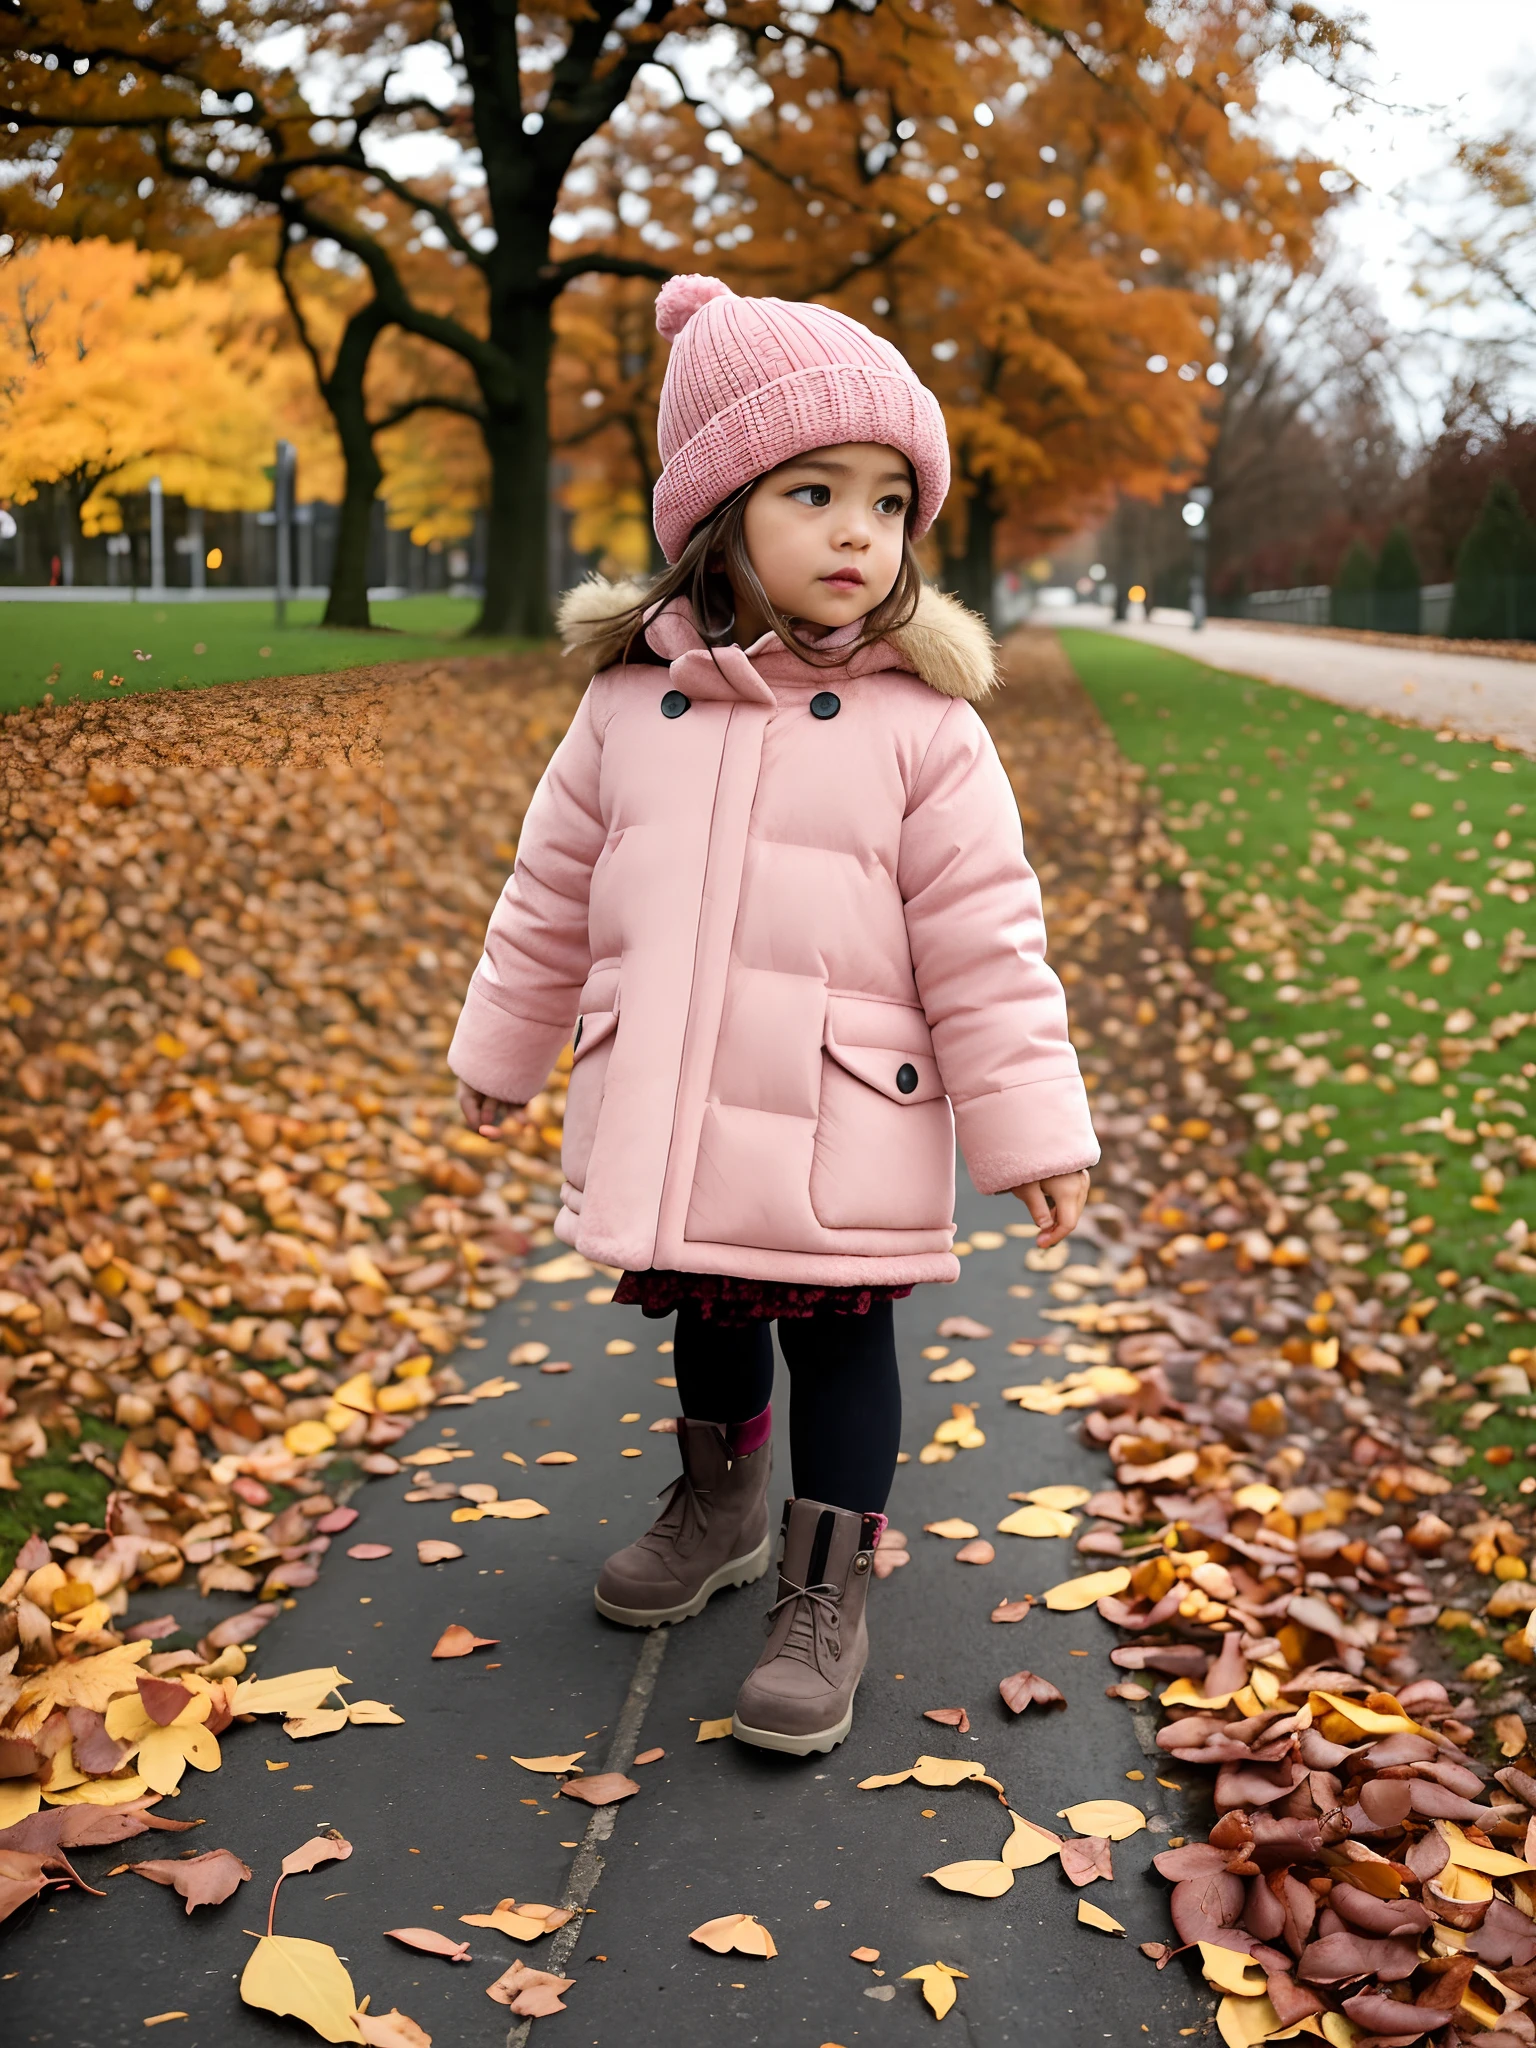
(343, 392)
(971, 574)
(516, 602)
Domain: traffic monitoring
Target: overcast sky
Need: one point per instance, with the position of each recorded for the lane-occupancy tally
(1441, 69)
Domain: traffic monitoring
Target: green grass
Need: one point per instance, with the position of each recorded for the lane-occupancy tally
(1361, 892)
(85, 1490)
(73, 650)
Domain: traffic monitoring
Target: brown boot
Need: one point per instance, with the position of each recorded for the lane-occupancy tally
(712, 1532)
(799, 1695)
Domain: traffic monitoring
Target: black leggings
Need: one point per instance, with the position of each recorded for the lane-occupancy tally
(845, 1394)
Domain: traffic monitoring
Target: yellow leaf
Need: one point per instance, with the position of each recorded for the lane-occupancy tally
(100, 1792)
(19, 1797)
(1262, 1498)
(1367, 1720)
(1183, 1692)
(87, 1682)
(955, 1527)
(712, 1731)
(738, 1931)
(1073, 1594)
(365, 1272)
(305, 1979)
(952, 1374)
(519, 1926)
(945, 1770)
(357, 1392)
(890, 1778)
(980, 1879)
(556, 1458)
(1116, 1818)
(618, 1347)
(374, 1714)
(1469, 1856)
(165, 1753)
(308, 1439)
(502, 1511)
(937, 1980)
(323, 1721)
(1095, 1916)
(185, 961)
(1028, 1844)
(1037, 1521)
(296, 1692)
(569, 1266)
(552, 1764)
(1227, 1970)
(1243, 2022)
(1062, 1497)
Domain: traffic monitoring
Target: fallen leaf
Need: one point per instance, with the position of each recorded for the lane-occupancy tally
(1026, 1689)
(297, 1692)
(951, 1717)
(865, 1955)
(966, 1328)
(531, 1353)
(328, 1848)
(952, 1374)
(521, 1510)
(552, 1764)
(714, 1731)
(458, 1641)
(520, 1922)
(1074, 1594)
(392, 2029)
(162, 1698)
(977, 1551)
(205, 1880)
(1028, 1844)
(954, 1527)
(374, 1714)
(938, 1985)
(435, 1550)
(1115, 1818)
(1510, 1730)
(981, 1880)
(1037, 1521)
(305, 1980)
(650, 1756)
(371, 1550)
(1086, 1857)
(1227, 1970)
(158, 2019)
(556, 1458)
(1013, 1610)
(738, 1932)
(604, 1788)
(943, 1770)
(324, 1721)
(431, 1942)
(532, 1994)
(1090, 1915)
(1061, 1497)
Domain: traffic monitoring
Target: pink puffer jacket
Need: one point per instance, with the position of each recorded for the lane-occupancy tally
(788, 912)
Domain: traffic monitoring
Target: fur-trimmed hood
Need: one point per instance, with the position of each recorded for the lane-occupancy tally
(946, 645)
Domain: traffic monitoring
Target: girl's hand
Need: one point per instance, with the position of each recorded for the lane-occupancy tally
(1056, 1204)
(483, 1113)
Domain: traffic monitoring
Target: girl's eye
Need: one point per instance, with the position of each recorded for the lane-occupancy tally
(813, 494)
(892, 505)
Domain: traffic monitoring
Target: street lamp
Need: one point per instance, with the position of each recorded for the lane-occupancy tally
(1196, 505)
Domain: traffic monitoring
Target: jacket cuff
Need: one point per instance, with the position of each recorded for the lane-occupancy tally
(1026, 1133)
(500, 1054)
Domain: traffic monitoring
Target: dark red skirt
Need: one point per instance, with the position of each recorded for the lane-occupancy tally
(721, 1298)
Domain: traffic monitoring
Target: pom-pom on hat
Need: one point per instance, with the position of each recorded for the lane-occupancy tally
(754, 382)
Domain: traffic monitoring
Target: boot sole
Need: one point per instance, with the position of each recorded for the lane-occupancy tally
(740, 1571)
(795, 1745)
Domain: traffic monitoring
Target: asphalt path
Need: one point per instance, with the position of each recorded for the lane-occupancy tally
(443, 1823)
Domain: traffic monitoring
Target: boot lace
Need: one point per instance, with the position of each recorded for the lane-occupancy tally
(680, 1527)
(816, 1612)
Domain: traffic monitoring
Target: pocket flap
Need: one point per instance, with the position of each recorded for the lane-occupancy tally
(903, 1076)
(592, 1027)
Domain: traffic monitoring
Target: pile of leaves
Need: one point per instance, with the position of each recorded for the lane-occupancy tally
(1278, 1532)
(242, 1226)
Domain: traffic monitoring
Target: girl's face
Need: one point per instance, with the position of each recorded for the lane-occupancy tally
(824, 533)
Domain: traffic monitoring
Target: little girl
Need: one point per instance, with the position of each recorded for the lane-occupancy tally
(774, 878)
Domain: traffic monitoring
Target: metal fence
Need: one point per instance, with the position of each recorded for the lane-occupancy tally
(1427, 610)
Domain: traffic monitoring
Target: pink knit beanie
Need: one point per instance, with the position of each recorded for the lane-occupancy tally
(753, 382)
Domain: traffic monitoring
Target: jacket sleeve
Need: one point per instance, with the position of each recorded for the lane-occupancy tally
(977, 934)
(523, 995)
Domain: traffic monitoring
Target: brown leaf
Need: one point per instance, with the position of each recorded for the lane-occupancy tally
(1026, 1689)
(392, 2029)
(952, 1717)
(650, 1756)
(163, 1699)
(457, 1641)
(205, 1880)
(979, 1551)
(529, 1993)
(1013, 1610)
(436, 1550)
(431, 1942)
(369, 1551)
(329, 1848)
(93, 1748)
(865, 1955)
(604, 1788)
(966, 1328)
(1085, 1857)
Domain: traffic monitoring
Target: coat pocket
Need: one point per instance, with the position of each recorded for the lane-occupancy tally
(592, 1048)
(885, 1136)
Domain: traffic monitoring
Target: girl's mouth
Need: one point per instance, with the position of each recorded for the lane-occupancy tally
(844, 579)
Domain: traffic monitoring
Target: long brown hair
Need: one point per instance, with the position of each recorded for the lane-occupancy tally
(715, 564)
